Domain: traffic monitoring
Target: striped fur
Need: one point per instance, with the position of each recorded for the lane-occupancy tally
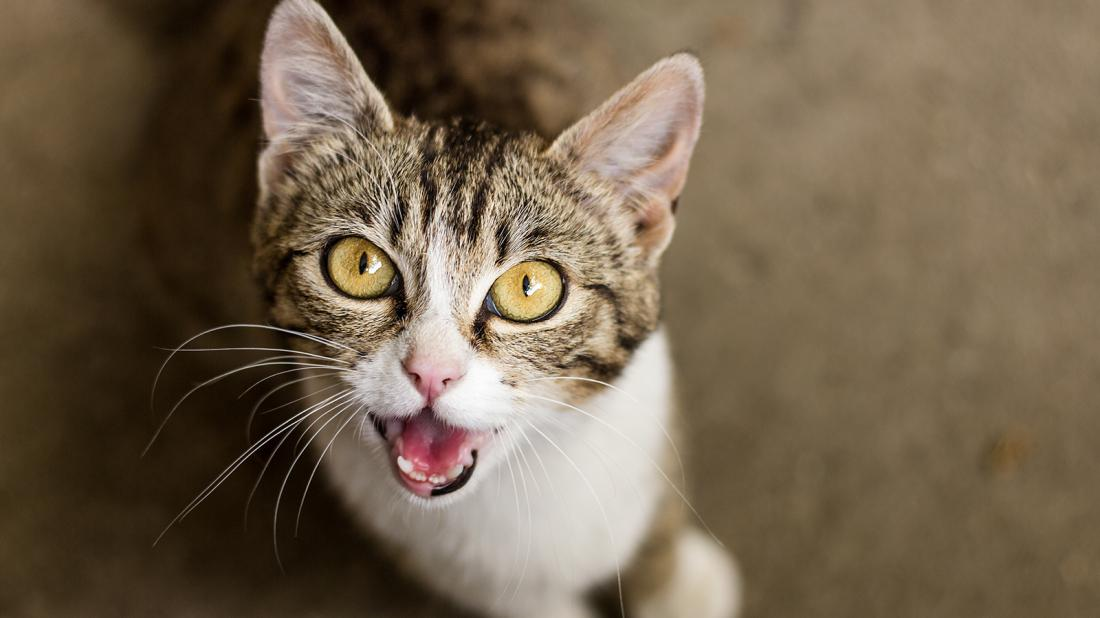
(490, 198)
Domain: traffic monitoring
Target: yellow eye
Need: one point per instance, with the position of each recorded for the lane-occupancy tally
(527, 292)
(359, 268)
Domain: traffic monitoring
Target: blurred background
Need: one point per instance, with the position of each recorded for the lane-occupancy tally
(883, 294)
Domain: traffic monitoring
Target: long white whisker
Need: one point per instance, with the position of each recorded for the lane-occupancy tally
(306, 396)
(332, 402)
(583, 379)
(515, 495)
(215, 379)
(530, 522)
(302, 502)
(285, 426)
(285, 331)
(256, 407)
(599, 503)
(653, 463)
(336, 371)
(538, 458)
(278, 497)
(250, 349)
(282, 487)
(644, 408)
(549, 481)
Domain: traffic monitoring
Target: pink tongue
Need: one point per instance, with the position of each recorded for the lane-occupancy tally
(433, 447)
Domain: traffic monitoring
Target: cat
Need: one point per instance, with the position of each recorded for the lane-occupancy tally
(500, 412)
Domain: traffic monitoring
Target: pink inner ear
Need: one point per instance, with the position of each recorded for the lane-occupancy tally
(641, 142)
(278, 113)
(309, 74)
(665, 177)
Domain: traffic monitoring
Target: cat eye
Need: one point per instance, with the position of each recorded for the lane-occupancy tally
(358, 268)
(527, 292)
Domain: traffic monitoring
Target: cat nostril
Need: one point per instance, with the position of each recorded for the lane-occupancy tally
(431, 378)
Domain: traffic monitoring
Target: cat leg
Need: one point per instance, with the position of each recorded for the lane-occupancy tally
(703, 583)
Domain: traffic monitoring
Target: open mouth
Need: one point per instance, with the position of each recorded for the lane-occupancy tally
(430, 457)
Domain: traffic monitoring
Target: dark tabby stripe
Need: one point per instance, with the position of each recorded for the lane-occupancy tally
(503, 237)
(477, 207)
(427, 183)
(397, 221)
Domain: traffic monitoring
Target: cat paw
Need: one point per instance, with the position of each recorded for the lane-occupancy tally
(705, 584)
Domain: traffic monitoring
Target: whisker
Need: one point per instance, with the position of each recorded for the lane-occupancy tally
(631, 441)
(515, 495)
(285, 331)
(282, 487)
(336, 371)
(530, 524)
(526, 463)
(250, 349)
(333, 401)
(538, 457)
(550, 482)
(285, 426)
(309, 481)
(599, 503)
(644, 408)
(254, 365)
(583, 379)
(613, 475)
(256, 407)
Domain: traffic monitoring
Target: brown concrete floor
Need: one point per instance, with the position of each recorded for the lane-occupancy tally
(883, 294)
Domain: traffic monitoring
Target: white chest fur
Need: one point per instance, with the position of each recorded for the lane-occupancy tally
(563, 512)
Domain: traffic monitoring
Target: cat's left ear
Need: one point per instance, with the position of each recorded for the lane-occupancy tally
(310, 77)
(640, 141)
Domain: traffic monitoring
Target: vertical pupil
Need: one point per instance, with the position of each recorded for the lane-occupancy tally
(527, 291)
(363, 262)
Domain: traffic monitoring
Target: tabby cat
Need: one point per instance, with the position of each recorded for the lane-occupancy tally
(500, 412)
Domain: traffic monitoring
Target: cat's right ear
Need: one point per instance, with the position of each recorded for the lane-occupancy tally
(310, 77)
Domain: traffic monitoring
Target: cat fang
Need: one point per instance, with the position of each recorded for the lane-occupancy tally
(430, 458)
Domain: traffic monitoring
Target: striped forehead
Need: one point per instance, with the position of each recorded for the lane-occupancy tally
(454, 175)
(445, 224)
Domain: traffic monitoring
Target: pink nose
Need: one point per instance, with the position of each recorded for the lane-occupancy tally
(432, 376)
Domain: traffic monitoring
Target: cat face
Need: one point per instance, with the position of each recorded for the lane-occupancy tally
(473, 281)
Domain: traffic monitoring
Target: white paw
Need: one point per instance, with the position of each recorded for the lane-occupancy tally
(706, 583)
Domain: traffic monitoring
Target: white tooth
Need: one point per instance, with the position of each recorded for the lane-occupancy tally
(436, 479)
(405, 465)
(417, 475)
(455, 471)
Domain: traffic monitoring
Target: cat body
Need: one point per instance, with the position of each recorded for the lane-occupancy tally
(499, 412)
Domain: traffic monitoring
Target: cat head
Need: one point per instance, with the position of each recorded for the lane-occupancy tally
(459, 272)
